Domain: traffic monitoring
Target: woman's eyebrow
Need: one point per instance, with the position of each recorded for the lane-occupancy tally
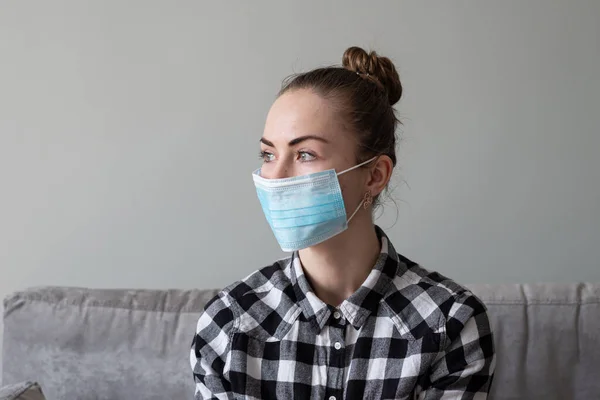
(267, 142)
(307, 137)
(296, 141)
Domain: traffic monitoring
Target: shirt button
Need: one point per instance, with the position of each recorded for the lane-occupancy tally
(337, 346)
(331, 397)
(337, 315)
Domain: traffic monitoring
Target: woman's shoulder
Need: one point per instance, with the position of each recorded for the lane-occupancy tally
(424, 301)
(274, 276)
(253, 297)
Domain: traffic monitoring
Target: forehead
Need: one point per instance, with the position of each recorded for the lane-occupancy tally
(303, 112)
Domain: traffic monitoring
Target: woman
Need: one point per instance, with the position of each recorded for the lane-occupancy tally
(345, 316)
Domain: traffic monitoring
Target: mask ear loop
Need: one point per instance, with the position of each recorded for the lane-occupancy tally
(355, 211)
(356, 166)
(350, 169)
(366, 202)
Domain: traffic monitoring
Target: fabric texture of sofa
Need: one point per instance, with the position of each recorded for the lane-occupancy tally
(134, 344)
(22, 391)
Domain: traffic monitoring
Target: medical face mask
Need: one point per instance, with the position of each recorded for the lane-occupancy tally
(304, 210)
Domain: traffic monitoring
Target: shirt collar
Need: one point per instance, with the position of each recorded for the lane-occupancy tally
(357, 308)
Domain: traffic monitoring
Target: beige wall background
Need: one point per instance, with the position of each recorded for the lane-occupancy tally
(129, 129)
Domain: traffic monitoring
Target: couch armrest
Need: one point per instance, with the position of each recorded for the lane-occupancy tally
(22, 391)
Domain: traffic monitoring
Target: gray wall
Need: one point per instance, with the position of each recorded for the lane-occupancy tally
(129, 130)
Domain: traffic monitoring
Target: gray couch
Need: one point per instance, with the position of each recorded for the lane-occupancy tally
(134, 344)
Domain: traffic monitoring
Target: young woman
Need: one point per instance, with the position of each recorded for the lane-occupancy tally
(345, 316)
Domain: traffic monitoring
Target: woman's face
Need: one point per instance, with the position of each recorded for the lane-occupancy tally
(304, 134)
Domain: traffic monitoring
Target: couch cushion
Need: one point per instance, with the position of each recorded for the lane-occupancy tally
(134, 344)
(546, 339)
(102, 344)
(22, 391)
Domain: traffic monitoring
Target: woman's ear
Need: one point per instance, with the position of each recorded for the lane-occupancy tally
(380, 174)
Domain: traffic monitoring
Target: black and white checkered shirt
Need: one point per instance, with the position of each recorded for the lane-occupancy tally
(406, 333)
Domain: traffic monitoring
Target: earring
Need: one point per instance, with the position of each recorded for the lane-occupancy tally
(368, 200)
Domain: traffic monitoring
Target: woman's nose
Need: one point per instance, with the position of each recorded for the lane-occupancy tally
(280, 171)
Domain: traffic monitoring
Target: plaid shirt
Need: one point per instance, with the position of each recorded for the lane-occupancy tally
(406, 333)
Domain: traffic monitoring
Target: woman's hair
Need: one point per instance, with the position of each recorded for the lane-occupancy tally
(364, 90)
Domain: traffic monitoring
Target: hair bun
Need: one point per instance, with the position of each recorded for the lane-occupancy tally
(381, 69)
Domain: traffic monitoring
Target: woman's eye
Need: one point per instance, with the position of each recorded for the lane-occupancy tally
(266, 156)
(305, 156)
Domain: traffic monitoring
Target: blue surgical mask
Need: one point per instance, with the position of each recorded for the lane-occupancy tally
(304, 210)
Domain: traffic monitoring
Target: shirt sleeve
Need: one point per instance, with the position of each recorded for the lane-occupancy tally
(465, 366)
(210, 348)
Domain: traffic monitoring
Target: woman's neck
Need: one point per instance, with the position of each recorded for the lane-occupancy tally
(337, 267)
